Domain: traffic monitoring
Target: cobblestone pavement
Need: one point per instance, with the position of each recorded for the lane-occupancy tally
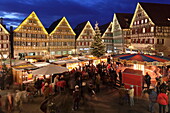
(105, 102)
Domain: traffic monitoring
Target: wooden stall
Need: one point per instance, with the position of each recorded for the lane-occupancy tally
(20, 73)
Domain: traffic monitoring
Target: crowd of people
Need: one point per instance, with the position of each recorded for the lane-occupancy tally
(88, 79)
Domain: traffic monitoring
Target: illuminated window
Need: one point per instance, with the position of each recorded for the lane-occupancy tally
(43, 44)
(152, 29)
(146, 20)
(144, 30)
(141, 21)
(134, 23)
(138, 22)
(0, 29)
(28, 43)
(5, 46)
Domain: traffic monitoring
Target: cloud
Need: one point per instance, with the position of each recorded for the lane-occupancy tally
(76, 11)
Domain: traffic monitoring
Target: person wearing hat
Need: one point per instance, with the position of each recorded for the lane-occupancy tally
(76, 98)
(131, 95)
(152, 100)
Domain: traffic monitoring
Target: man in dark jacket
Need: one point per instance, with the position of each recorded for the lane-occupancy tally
(38, 86)
(76, 98)
(148, 80)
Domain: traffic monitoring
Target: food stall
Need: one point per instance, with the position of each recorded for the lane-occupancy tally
(21, 73)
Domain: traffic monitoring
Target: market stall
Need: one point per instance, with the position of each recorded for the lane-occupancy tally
(21, 73)
(135, 78)
(145, 63)
(48, 71)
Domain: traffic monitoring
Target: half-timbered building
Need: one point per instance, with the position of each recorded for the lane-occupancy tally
(84, 37)
(151, 28)
(4, 41)
(61, 38)
(30, 37)
(121, 31)
(107, 36)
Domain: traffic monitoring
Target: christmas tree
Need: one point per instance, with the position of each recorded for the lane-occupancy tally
(97, 47)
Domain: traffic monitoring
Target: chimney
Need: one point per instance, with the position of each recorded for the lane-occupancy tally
(1, 20)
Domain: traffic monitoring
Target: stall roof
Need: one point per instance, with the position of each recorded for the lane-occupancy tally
(40, 64)
(67, 61)
(25, 67)
(34, 57)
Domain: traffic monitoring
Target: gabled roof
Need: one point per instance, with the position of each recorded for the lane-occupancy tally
(79, 28)
(104, 27)
(56, 24)
(38, 20)
(53, 25)
(124, 19)
(158, 13)
(4, 28)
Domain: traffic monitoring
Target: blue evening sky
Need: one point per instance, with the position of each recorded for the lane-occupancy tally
(76, 11)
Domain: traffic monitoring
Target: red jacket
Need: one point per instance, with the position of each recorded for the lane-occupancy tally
(162, 99)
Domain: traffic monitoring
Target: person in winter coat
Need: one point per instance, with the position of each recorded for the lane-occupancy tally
(148, 80)
(120, 77)
(76, 98)
(0, 103)
(163, 86)
(97, 82)
(131, 95)
(168, 101)
(46, 90)
(152, 99)
(38, 86)
(9, 101)
(162, 100)
(18, 100)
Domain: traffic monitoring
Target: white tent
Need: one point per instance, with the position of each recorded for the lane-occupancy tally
(50, 69)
